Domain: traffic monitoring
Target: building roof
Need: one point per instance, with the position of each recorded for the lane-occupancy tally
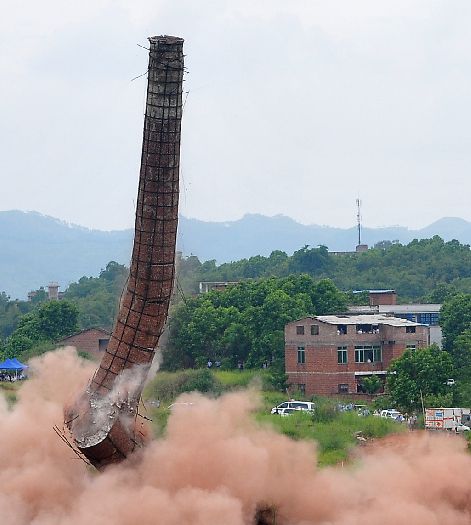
(396, 309)
(374, 291)
(365, 319)
(409, 308)
(85, 331)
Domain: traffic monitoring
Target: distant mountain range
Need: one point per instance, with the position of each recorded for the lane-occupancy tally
(36, 249)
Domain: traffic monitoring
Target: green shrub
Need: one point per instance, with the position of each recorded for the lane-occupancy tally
(201, 381)
(84, 355)
(276, 378)
(37, 349)
(9, 390)
(332, 457)
(231, 379)
(382, 402)
(372, 384)
(166, 386)
(377, 427)
(324, 410)
(334, 432)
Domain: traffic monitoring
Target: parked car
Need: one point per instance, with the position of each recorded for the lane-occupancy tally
(392, 413)
(295, 405)
(287, 411)
(461, 428)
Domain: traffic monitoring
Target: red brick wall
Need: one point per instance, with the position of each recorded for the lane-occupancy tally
(382, 298)
(321, 373)
(87, 341)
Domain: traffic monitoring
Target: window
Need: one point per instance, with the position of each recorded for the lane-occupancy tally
(102, 344)
(341, 329)
(300, 330)
(367, 329)
(301, 355)
(410, 329)
(412, 348)
(342, 355)
(368, 354)
(314, 329)
(343, 388)
(428, 318)
(302, 389)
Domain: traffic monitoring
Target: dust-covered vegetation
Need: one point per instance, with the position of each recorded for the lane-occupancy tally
(337, 433)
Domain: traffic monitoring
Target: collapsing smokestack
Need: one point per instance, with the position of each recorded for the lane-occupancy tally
(103, 420)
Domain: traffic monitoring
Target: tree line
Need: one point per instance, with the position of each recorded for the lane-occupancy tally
(427, 270)
(245, 323)
(30, 328)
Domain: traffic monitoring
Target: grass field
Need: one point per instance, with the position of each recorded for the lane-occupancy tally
(335, 433)
(9, 390)
(337, 437)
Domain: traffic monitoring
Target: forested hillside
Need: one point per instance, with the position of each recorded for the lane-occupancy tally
(427, 269)
(96, 299)
(246, 321)
(37, 249)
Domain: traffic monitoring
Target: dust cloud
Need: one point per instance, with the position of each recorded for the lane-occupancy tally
(214, 467)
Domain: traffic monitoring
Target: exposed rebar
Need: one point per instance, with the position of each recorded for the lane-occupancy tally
(103, 421)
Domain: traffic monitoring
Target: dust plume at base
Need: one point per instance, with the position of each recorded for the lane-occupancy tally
(214, 467)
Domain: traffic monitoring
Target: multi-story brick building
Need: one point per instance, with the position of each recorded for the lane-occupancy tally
(331, 354)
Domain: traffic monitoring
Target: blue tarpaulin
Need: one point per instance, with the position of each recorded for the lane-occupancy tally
(19, 363)
(12, 364)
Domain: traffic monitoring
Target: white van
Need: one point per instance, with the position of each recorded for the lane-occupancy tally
(307, 406)
(391, 413)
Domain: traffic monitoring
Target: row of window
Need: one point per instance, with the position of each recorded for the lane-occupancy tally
(363, 354)
(431, 319)
(343, 388)
(342, 329)
(314, 330)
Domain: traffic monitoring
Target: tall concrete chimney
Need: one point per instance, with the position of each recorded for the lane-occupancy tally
(103, 420)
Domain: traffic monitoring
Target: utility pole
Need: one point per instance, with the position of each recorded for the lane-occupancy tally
(359, 220)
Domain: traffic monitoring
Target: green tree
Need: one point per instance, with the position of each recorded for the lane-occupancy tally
(97, 298)
(246, 321)
(441, 293)
(372, 384)
(455, 318)
(50, 321)
(420, 373)
(39, 296)
(314, 261)
(461, 353)
(413, 270)
(462, 358)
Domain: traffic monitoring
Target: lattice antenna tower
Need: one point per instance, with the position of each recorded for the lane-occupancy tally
(359, 220)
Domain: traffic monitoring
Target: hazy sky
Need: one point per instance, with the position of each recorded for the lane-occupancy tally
(294, 107)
